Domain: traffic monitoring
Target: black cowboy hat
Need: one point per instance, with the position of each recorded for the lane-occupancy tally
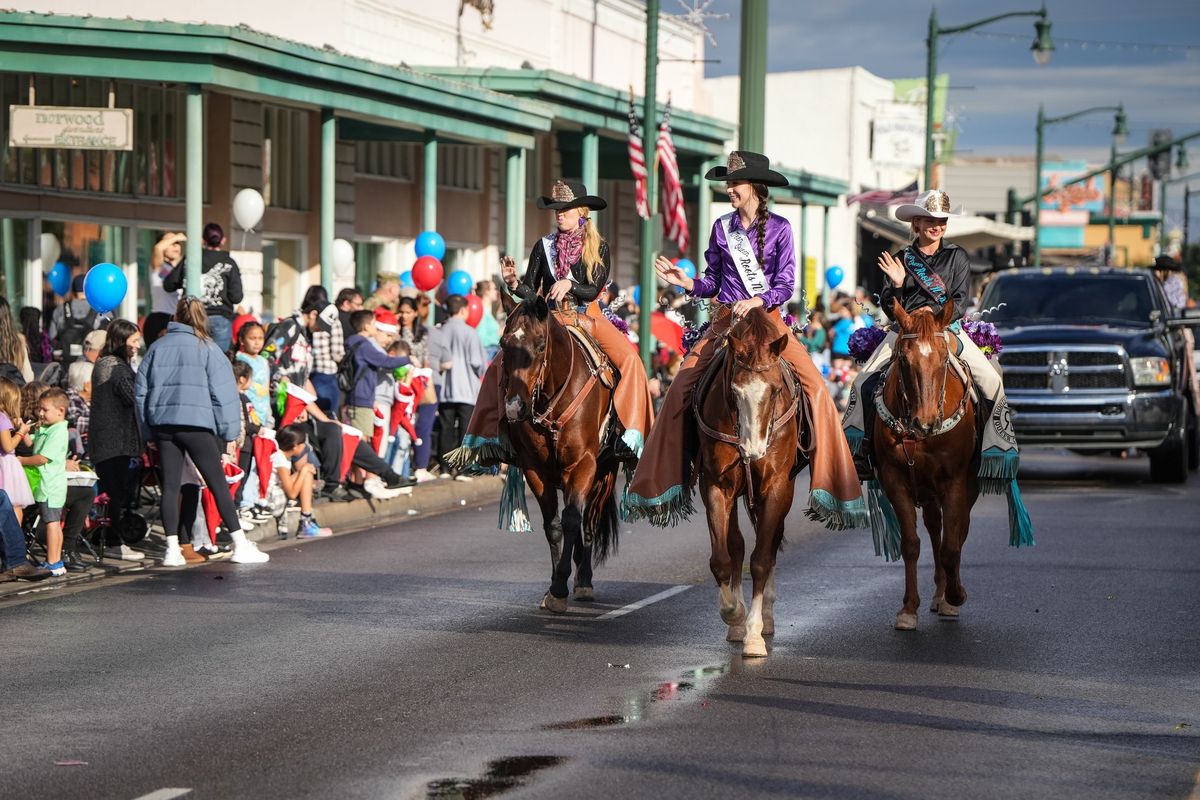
(569, 194)
(1167, 264)
(746, 166)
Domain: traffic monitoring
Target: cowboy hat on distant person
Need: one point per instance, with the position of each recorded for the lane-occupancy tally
(934, 203)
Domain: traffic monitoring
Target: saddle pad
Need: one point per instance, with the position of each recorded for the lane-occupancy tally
(597, 361)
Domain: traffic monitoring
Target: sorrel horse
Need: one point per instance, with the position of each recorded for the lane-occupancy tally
(924, 451)
(557, 419)
(747, 409)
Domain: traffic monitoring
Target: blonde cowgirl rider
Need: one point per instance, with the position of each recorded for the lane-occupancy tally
(763, 275)
(569, 267)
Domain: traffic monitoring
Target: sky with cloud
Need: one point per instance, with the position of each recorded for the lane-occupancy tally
(996, 86)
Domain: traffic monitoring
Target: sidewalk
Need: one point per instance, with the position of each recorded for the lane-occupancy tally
(427, 499)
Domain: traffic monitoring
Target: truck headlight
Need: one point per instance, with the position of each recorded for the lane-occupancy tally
(1150, 371)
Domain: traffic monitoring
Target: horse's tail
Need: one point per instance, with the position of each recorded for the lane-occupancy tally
(603, 518)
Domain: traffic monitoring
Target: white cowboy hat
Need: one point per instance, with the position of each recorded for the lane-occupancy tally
(934, 203)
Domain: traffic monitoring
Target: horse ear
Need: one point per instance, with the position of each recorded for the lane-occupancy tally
(540, 309)
(898, 313)
(507, 302)
(947, 314)
(779, 345)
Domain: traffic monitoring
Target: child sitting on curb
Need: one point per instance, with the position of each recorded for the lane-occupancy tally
(296, 476)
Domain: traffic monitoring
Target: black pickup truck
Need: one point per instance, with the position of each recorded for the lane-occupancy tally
(1095, 359)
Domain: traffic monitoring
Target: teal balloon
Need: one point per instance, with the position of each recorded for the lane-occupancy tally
(60, 278)
(406, 279)
(688, 267)
(459, 282)
(104, 287)
(431, 243)
(834, 276)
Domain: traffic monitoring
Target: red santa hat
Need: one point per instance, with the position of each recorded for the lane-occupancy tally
(212, 515)
(264, 447)
(386, 321)
(351, 436)
(295, 402)
(377, 433)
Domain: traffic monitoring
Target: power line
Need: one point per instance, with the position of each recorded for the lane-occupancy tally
(1086, 44)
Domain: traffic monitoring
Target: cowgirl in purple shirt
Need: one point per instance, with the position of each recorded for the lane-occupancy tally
(751, 263)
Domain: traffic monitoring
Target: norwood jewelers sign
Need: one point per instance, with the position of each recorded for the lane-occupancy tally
(68, 127)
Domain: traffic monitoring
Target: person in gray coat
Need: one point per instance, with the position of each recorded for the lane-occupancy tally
(187, 404)
(459, 356)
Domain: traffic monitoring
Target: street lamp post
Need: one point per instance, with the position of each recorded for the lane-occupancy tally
(1120, 131)
(1042, 49)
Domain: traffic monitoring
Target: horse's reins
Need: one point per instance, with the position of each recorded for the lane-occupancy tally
(903, 426)
(735, 439)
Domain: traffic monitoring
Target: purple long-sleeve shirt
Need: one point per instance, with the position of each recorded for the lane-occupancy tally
(778, 261)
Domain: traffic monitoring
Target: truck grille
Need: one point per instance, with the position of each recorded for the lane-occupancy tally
(1065, 370)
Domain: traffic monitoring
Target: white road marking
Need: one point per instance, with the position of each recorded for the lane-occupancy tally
(164, 794)
(654, 598)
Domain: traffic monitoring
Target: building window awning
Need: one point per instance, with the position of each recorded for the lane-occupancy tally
(242, 61)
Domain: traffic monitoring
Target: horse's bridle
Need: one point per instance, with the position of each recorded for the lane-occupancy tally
(903, 425)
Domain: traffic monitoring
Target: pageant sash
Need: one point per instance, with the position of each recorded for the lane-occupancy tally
(927, 280)
(744, 261)
(549, 245)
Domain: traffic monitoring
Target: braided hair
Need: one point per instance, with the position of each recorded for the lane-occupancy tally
(760, 216)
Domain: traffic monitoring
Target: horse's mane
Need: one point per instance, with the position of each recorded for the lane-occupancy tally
(924, 323)
(756, 328)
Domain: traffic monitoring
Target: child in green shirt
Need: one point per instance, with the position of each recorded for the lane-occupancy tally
(50, 457)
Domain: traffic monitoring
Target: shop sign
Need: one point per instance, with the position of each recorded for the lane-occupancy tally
(70, 127)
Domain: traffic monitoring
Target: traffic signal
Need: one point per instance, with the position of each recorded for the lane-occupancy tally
(1160, 162)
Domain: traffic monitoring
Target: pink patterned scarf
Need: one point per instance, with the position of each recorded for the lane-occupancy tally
(569, 249)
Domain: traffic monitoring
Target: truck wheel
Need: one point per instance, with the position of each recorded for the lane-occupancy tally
(1193, 442)
(1169, 461)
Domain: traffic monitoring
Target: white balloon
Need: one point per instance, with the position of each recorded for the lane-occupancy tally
(343, 258)
(51, 250)
(248, 208)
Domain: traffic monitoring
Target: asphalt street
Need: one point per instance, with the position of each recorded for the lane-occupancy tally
(412, 662)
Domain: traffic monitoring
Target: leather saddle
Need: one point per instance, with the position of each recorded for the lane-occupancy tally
(597, 361)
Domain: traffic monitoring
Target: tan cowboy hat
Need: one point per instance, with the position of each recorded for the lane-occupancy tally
(570, 194)
(934, 203)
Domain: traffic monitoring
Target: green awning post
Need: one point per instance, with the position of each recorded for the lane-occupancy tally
(514, 205)
(590, 173)
(752, 71)
(704, 223)
(649, 139)
(429, 183)
(328, 175)
(825, 252)
(8, 251)
(802, 267)
(195, 188)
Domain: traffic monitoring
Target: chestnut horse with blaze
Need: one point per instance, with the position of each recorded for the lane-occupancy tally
(748, 409)
(557, 419)
(925, 446)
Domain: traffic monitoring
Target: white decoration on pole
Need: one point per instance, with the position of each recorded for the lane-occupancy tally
(248, 208)
(343, 258)
(697, 13)
(51, 250)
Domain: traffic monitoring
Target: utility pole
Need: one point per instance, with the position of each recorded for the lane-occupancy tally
(648, 282)
(752, 78)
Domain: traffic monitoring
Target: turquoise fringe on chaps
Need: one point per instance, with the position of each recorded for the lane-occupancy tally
(885, 527)
(1020, 527)
(514, 513)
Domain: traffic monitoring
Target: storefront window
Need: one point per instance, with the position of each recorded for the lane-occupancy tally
(285, 157)
(386, 159)
(460, 166)
(149, 170)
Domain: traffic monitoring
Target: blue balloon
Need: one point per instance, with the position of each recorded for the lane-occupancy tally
(688, 267)
(637, 295)
(459, 282)
(833, 276)
(104, 287)
(406, 279)
(60, 278)
(431, 243)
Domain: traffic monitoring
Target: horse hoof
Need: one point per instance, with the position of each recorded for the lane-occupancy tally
(556, 604)
(768, 628)
(936, 605)
(948, 610)
(736, 633)
(584, 593)
(754, 648)
(906, 622)
(736, 616)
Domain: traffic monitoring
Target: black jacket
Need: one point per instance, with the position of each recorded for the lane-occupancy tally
(221, 286)
(539, 276)
(950, 262)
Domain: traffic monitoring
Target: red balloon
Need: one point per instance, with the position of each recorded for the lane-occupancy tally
(426, 273)
(474, 310)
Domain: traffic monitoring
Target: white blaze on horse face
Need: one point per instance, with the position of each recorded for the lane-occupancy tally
(753, 416)
(924, 349)
(518, 334)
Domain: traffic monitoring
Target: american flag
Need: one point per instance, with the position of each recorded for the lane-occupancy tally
(883, 197)
(637, 161)
(674, 219)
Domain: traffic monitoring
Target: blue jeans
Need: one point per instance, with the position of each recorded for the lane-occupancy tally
(329, 396)
(10, 534)
(221, 331)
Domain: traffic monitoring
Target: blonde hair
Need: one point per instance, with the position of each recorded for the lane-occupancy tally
(190, 311)
(10, 400)
(591, 244)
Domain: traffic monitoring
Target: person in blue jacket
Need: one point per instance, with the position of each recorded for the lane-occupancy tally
(367, 348)
(187, 404)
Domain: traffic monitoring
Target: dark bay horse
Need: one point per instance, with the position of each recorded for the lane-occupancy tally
(747, 411)
(924, 451)
(557, 420)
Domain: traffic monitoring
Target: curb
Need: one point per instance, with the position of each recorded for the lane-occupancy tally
(428, 499)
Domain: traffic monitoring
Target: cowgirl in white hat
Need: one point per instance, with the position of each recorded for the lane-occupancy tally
(927, 274)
